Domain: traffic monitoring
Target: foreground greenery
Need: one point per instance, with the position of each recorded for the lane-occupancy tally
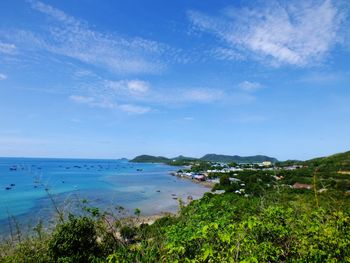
(266, 222)
(282, 225)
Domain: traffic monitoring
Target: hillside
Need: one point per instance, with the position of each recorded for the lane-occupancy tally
(331, 165)
(237, 158)
(207, 158)
(150, 159)
(339, 161)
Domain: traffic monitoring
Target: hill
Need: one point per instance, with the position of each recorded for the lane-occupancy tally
(207, 158)
(181, 157)
(334, 164)
(150, 159)
(237, 159)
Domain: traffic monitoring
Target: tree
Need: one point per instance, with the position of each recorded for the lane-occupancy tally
(225, 180)
(74, 241)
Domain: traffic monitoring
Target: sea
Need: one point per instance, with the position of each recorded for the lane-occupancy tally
(32, 190)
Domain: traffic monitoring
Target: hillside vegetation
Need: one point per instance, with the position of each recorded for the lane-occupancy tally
(237, 158)
(206, 158)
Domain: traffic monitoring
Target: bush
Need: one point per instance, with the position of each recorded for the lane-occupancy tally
(74, 241)
(127, 232)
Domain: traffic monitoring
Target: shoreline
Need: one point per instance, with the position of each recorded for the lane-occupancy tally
(206, 184)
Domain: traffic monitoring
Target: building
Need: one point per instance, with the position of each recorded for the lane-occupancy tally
(266, 163)
(302, 186)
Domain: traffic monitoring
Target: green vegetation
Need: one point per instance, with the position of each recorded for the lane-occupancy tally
(215, 158)
(258, 219)
(331, 172)
(237, 159)
(150, 159)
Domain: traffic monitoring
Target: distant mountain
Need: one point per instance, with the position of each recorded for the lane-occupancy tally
(181, 158)
(237, 159)
(208, 157)
(150, 159)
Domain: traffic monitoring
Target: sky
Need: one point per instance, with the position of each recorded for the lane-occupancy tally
(111, 79)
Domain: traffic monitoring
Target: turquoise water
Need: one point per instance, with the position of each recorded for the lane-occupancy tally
(26, 185)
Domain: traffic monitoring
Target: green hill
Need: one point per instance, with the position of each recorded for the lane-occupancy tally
(220, 158)
(237, 159)
(331, 172)
(334, 164)
(150, 159)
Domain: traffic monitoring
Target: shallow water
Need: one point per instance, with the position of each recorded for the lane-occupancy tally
(106, 184)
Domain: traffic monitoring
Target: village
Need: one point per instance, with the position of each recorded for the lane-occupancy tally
(210, 173)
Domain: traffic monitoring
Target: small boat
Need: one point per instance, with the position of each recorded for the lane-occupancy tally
(12, 184)
(139, 170)
(8, 188)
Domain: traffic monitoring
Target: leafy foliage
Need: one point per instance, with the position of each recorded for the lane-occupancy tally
(74, 241)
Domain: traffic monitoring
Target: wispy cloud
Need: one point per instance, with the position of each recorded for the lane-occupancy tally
(300, 33)
(203, 95)
(133, 87)
(7, 48)
(249, 86)
(134, 108)
(68, 36)
(107, 104)
(3, 76)
(140, 97)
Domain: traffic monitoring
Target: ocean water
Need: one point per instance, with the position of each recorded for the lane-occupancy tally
(30, 188)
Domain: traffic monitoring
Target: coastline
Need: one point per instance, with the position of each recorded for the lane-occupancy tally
(206, 184)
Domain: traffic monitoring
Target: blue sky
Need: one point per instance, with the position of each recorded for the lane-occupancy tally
(109, 79)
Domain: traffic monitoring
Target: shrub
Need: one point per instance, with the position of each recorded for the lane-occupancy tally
(74, 241)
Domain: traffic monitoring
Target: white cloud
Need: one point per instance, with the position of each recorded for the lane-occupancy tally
(128, 87)
(138, 86)
(134, 109)
(3, 76)
(81, 99)
(249, 86)
(300, 33)
(227, 54)
(107, 104)
(92, 102)
(7, 48)
(65, 35)
(202, 95)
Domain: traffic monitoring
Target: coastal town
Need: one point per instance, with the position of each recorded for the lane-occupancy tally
(210, 173)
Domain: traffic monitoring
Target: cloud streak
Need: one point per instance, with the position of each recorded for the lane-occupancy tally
(299, 34)
(67, 36)
(249, 86)
(7, 48)
(3, 76)
(106, 104)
